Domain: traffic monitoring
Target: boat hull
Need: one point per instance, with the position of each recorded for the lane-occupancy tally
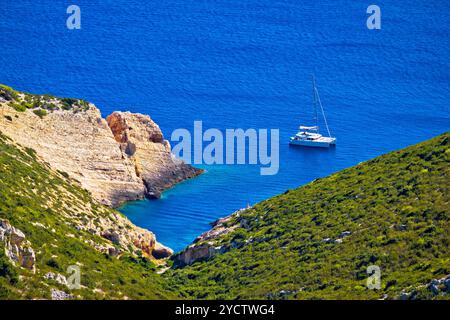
(313, 143)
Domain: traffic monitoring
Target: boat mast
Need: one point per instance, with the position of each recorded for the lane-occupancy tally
(316, 115)
(321, 108)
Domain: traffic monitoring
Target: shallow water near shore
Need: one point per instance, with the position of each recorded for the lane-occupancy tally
(241, 65)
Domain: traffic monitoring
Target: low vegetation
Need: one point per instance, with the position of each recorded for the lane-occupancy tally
(40, 104)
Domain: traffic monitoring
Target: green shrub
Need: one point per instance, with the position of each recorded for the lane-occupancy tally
(64, 174)
(7, 270)
(40, 113)
(18, 107)
(8, 93)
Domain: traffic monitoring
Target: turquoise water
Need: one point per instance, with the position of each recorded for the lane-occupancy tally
(241, 65)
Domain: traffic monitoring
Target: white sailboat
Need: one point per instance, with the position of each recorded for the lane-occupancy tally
(310, 136)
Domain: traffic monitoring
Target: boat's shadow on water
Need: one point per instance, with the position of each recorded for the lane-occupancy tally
(311, 150)
(311, 155)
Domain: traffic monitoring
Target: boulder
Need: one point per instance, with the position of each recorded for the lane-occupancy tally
(447, 284)
(160, 251)
(60, 295)
(17, 248)
(56, 277)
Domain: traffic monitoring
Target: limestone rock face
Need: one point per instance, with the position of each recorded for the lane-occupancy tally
(160, 251)
(114, 227)
(59, 278)
(125, 160)
(80, 144)
(17, 248)
(143, 142)
(195, 253)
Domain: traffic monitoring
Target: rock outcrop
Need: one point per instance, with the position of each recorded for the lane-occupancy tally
(17, 248)
(123, 235)
(437, 287)
(60, 295)
(58, 278)
(160, 251)
(72, 137)
(195, 253)
(143, 142)
(206, 246)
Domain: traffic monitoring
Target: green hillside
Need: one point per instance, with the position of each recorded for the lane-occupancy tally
(316, 242)
(37, 201)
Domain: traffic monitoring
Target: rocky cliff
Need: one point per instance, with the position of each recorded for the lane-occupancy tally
(125, 160)
(142, 141)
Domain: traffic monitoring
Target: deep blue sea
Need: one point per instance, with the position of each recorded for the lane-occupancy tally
(241, 64)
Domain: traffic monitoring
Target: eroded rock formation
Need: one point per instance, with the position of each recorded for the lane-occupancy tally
(142, 141)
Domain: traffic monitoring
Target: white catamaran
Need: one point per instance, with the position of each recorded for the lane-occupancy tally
(309, 136)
